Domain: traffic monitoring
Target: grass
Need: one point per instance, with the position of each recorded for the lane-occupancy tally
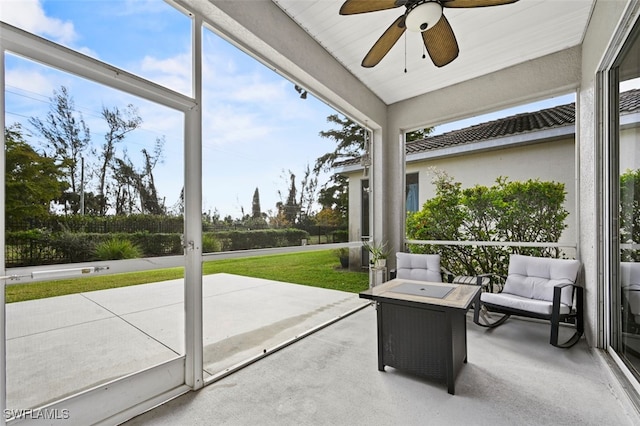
(317, 268)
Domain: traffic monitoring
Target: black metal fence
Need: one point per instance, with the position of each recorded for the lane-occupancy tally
(70, 239)
(102, 224)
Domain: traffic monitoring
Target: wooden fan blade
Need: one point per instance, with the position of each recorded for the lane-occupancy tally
(384, 43)
(351, 7)
(441, 43)
(475, 3)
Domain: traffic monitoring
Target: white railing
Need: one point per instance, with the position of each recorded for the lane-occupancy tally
(492, 243)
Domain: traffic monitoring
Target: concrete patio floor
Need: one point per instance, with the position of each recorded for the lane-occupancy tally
(59, 346)
(62, 345)
(513, 377)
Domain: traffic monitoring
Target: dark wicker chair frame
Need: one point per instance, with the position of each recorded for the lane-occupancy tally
(575, 316)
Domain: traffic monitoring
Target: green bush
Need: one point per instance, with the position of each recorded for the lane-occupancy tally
(630, 213)
(103, 224)
(27, 248)
(530, 211)
(41, 246)
(262, 238)
(210, 243)
(341, 236)
(74, 247)
(156, 244)
(116, 249)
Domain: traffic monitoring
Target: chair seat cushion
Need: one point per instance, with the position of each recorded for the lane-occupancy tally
(513, 301)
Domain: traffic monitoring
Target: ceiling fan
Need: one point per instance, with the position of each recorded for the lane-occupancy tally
(423, 16)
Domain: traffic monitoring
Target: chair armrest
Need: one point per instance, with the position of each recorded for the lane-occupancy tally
(479, 280)
(489, 287)
(447, 276)
(557, 292)
(500, 283)
(562, 285)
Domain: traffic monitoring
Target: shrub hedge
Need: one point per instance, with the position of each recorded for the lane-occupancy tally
(43, 247)
(530, 211)
(260, 238)
(103, 224)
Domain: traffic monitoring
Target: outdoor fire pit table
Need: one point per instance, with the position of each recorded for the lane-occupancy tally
(422, 326)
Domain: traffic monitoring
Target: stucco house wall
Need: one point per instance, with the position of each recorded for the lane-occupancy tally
(549, 161)
(629, 158)
(546, 159)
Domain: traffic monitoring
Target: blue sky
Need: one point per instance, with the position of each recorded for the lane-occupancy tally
(256, 127)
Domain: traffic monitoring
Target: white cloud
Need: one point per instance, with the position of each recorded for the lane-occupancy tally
(254, 123)
(174, 72)
(89, 52)
(140, 7)
(226, 126)
(29, 80)
(256, 91)
(30, 16)
(245, 105)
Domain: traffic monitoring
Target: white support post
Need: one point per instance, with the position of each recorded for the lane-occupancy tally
(3, 331)
(193, 221)
(377, 184)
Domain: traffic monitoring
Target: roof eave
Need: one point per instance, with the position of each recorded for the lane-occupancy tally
(526, 138)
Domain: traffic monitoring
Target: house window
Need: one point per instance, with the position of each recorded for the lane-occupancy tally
(411, 193)
(364, 202)
(364, 219)
(625, 208)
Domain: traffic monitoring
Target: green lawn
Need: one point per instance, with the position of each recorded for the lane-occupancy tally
(316, 268)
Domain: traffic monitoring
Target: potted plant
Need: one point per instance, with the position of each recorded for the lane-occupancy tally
(343, 254)
(378, 254)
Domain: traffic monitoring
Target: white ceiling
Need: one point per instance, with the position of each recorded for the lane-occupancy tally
(489, 38)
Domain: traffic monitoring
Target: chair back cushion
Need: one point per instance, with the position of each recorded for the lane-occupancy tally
(630, 283)
(535, 277)
(629, 274)
(420, 267)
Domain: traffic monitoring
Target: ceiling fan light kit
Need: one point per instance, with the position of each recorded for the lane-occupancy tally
(421, 16)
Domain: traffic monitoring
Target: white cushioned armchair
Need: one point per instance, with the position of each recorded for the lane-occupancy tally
(630, 283)
(539, 287)
(420, 267)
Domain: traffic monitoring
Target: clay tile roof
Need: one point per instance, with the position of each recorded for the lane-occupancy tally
(630, 101)
(557, 116)
(521, 123)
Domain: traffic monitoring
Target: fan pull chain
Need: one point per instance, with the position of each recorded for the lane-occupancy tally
(405, 52)
(423, 55)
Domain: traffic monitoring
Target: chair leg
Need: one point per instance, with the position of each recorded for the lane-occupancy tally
(482, 317)
(555, 320)
(555, 325)
(572, 341)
